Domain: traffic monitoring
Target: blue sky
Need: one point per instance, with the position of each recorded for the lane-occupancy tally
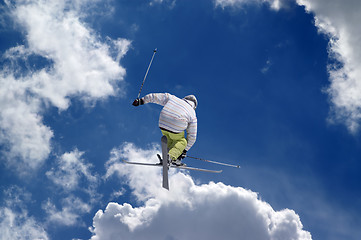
(278, 86)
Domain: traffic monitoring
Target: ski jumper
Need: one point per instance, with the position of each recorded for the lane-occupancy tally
(178, 115)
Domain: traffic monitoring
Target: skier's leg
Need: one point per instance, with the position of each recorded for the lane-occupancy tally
(178, 148)
(169, 138)
(176, 143)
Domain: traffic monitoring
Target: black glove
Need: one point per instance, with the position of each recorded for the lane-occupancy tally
(183, 155)
(138, 102)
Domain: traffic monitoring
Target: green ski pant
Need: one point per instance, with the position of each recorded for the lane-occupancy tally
(176, 143)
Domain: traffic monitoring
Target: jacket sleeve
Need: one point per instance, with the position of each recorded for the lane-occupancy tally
(191, 134)
(158, 98)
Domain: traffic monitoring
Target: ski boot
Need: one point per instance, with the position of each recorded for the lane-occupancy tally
(178, 162)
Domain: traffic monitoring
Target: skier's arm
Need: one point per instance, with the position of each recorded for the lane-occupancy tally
(158, 98)
(191, 134)
(137, 102)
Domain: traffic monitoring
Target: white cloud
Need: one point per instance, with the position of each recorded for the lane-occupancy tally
(117, 194)
(15, 222)
(187, 211)
(267, 66)
(70, 212)
(15, 225)
(340, 21)
(22, 132)
(73, 61)
(274, 4)
(136, 181)
(73, 176)
(170, 3)
(70, 169)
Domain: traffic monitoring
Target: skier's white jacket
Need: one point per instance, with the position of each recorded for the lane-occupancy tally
(176, 116)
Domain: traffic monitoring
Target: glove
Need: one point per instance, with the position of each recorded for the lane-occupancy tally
(138, 102)
(183, 155)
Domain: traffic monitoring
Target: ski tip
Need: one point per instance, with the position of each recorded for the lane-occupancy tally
(155, 50)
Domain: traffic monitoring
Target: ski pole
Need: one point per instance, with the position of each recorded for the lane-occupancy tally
(155, 50)
(220, 163)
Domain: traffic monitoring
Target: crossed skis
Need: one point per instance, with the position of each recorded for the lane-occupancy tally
(166, 164)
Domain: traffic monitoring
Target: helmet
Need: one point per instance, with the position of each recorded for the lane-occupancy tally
(193, 99)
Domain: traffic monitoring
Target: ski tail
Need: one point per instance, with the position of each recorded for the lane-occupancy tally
(164, 144)
(196, 169)
(142, 164)
(215, 162)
